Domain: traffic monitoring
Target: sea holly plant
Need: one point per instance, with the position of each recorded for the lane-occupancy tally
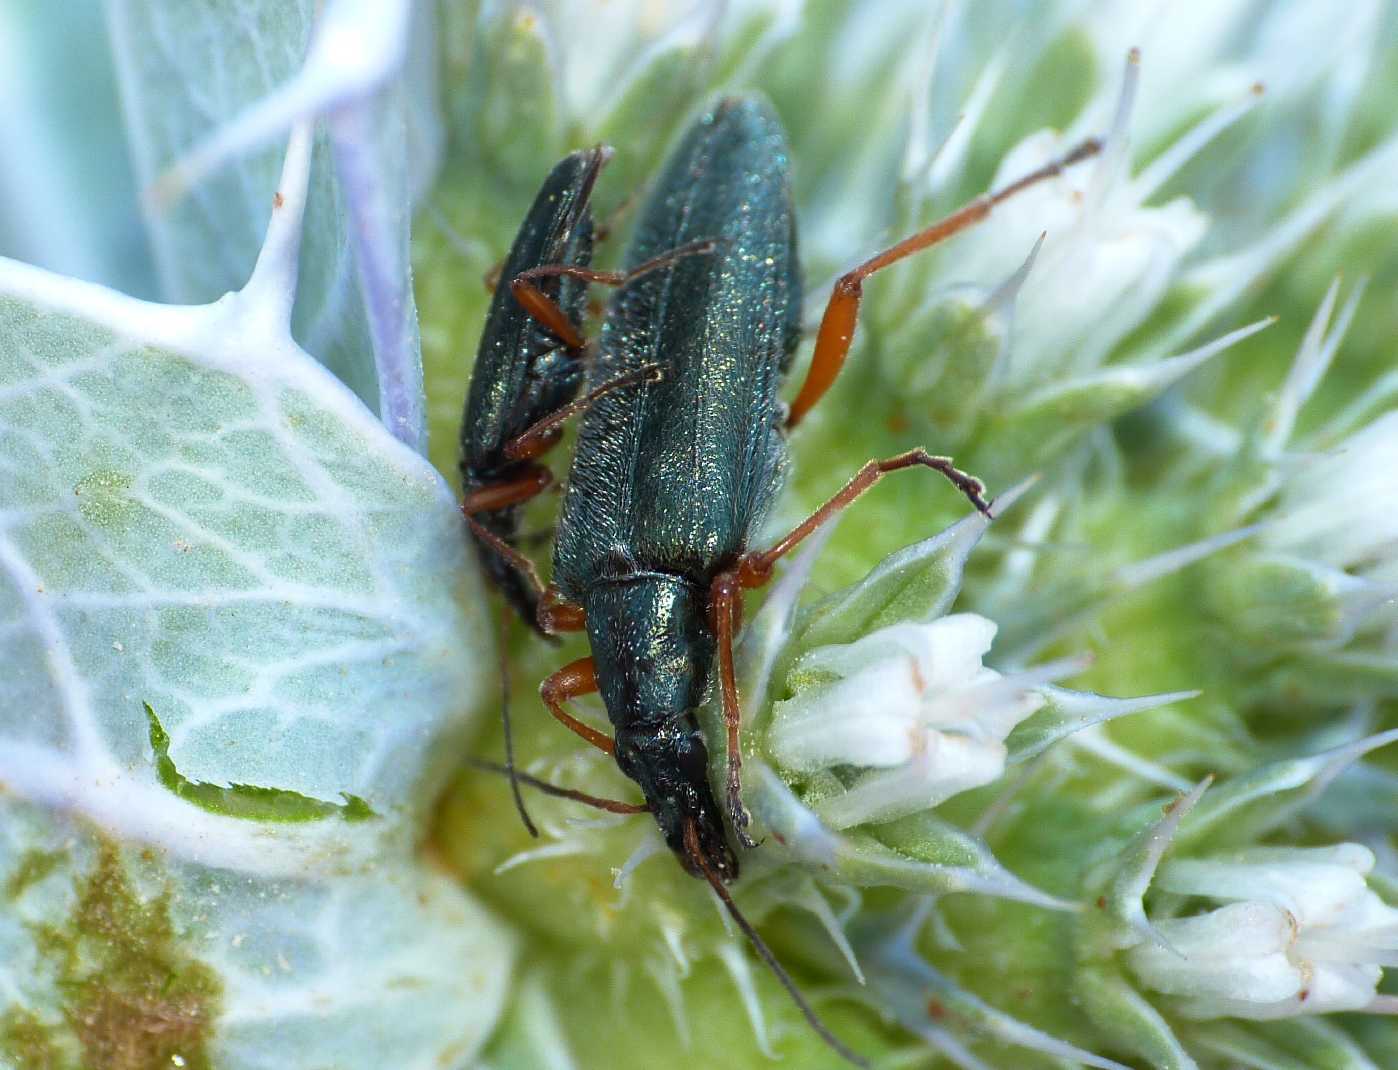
(1107, 780)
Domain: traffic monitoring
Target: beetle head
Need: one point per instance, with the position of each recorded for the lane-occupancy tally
(672, 767)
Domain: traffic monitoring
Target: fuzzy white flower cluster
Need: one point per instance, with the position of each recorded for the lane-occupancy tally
(1337, 513)
(1300, 933)
(914, 708)
(1107, 256)
(1323, 569)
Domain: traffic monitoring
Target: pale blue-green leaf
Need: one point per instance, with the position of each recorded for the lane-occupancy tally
(371, 142)
(203, 116)
(184, 69)
(398, 967)
(67, 193)
(195, 515)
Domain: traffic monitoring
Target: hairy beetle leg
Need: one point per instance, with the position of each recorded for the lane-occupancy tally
(725, 608)
(545, 432)
(574, 680)
(842, 312)
(517, 560)
(754, 569)
(535, 479)
(495, 496)
(544, 309)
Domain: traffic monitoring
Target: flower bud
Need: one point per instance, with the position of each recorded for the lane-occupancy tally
(913, 706)
(1300, 933)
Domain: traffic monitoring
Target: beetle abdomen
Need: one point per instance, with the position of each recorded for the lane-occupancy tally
(720, 325)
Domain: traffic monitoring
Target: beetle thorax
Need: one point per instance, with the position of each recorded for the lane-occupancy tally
(651, 645)
(652, 649)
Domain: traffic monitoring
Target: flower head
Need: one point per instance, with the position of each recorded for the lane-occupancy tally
(1300, 933)
(1334, 512)
(912, 707)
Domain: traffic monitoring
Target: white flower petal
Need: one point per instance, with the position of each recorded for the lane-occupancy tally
(1238, 952)
(949, 765)
(947, 650)
(1314, 885)
(1308, 907)
(867, 719)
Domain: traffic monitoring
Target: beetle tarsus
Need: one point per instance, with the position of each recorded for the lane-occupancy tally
(737, 812)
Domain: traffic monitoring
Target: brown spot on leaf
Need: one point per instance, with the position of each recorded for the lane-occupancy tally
(28, 1042)
(133, 995)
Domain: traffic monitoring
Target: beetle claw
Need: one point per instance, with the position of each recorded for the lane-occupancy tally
(738, 814)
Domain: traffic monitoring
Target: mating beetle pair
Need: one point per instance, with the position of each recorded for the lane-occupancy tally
(681, 449)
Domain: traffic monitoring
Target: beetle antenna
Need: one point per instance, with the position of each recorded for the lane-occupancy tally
(612, 806)
(505, 721)
(691, 846)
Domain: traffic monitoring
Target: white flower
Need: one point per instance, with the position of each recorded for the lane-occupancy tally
(1036, 345)
(914, 707)
(1301, 934)
(1330, 527)
(1108, 258)
(1336, 512)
